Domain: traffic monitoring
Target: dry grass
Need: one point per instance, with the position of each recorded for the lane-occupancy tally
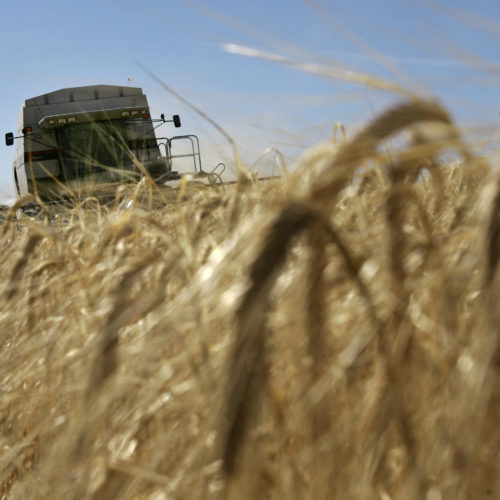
(333, 334)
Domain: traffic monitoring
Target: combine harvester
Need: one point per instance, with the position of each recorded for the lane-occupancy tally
(86, 141)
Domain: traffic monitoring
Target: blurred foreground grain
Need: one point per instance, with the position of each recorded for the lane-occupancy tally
(332, 334)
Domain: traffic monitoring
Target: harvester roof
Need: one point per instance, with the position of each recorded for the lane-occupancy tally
(82, 94)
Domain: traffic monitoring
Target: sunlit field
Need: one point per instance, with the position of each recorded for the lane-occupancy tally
(330, 334)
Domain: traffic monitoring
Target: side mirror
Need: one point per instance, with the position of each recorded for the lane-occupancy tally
(177, 121)
(9, 138)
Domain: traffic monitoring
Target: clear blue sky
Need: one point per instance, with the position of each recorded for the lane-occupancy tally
(451, 47)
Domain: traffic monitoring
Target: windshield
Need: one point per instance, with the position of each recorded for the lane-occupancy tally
(103, 148)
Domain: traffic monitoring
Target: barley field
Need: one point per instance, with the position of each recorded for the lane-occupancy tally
(330, 334)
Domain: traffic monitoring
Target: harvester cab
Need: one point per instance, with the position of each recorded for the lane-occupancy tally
(87, 140)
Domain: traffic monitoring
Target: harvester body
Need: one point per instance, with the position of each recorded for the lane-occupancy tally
(86, 140)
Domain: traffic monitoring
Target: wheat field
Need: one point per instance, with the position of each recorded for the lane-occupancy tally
(330, 334)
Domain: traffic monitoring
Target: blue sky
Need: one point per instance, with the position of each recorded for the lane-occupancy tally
(446, 48)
